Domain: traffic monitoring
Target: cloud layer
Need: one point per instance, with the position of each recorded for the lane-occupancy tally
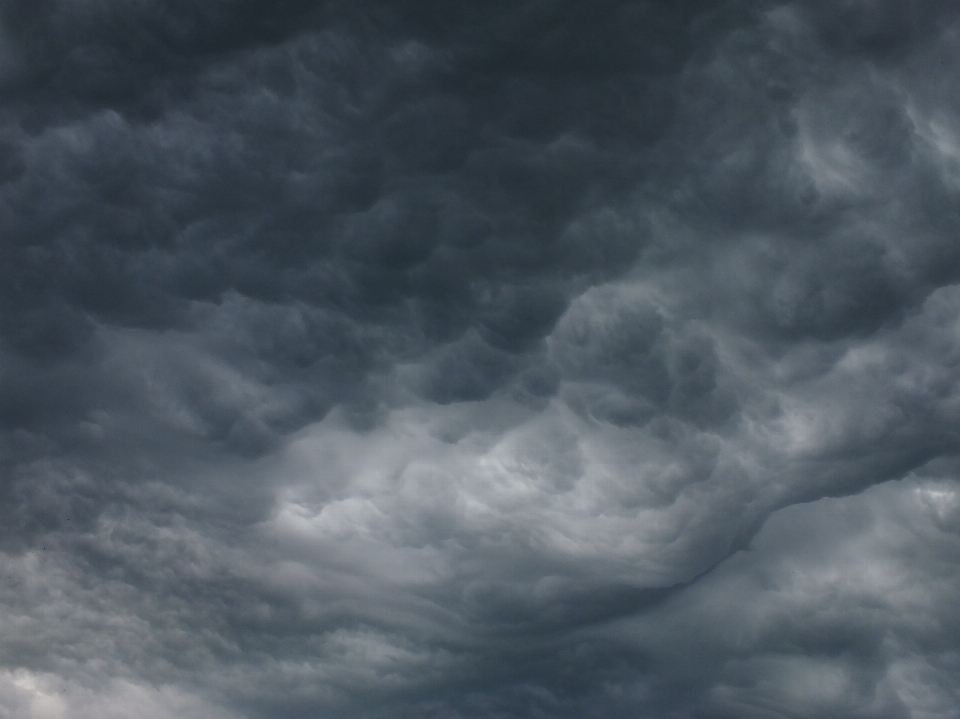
(530, 359)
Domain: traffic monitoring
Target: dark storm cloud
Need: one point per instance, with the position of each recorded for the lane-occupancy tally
(429, 359)
(381, 178)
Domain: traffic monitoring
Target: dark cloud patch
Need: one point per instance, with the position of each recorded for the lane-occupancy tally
(65, 58)
(882, 31)
(325, 199)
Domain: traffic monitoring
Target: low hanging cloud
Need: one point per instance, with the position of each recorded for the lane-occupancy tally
(515, 359)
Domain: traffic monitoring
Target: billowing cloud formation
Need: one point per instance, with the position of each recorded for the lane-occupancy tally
(529, 359)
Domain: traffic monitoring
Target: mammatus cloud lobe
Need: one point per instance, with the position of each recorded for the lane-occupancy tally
(512, 360)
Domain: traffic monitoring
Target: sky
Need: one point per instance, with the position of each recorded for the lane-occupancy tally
(511, 359)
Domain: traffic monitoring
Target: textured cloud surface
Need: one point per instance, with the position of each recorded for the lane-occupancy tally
(494, 359)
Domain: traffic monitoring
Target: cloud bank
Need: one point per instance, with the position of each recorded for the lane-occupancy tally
(515, 359)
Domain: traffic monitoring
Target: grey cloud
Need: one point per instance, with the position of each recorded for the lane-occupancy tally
(500, 359)
(620, 351)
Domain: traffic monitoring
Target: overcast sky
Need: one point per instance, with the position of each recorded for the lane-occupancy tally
(507, 359)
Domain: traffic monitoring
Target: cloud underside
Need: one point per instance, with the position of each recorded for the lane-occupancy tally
(508, 360)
